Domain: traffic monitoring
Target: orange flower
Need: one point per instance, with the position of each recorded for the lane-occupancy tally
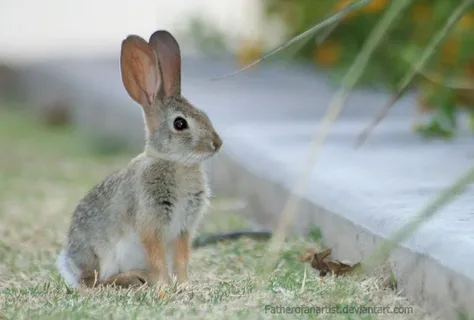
(161, 294)
(375, 6)
(327, 53)
(248, 52)
(421, 12)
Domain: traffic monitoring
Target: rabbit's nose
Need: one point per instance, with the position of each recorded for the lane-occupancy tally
(216, 144)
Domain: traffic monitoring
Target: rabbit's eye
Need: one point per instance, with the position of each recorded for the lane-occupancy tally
(180, 124)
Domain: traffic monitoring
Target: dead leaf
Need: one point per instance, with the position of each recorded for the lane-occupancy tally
(318, 259)
(324, 265)
(318, 262)
(339, 268)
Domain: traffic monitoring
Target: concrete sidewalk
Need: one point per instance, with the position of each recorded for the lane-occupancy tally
(266, 119)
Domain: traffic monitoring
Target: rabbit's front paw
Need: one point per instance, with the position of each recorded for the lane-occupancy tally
(164, 279)
(157, 280)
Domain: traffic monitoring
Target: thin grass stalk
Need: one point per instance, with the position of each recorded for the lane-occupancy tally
(335, 107)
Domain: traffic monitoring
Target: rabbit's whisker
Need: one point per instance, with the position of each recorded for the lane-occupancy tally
(189, 157)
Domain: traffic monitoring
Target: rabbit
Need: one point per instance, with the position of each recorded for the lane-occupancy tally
(136, 222)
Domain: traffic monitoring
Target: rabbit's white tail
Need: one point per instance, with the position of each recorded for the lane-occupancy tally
(66, 268)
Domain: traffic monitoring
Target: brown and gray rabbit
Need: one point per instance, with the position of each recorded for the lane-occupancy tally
(128, 227)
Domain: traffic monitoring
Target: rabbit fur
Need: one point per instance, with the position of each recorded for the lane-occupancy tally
(136, 225)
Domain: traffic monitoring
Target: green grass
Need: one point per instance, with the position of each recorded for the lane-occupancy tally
(45, 172)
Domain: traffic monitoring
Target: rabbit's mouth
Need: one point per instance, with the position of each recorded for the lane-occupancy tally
(209, 147)
(203, 151)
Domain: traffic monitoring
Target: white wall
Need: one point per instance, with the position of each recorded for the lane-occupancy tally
(45, 28)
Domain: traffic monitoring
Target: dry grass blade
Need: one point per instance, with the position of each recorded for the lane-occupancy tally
(382, 253)
(327, 32)
(335, 18)
(403, 85)
(296, 47)
(332, 113)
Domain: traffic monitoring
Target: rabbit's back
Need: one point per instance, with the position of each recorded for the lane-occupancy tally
(106, 207)
(100, 229)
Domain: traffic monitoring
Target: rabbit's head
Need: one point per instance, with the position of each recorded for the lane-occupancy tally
(151, 74)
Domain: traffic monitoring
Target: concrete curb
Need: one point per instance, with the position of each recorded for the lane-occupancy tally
(423, 279)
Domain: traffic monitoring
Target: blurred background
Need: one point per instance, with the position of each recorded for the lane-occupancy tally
(53, 28)
(243, 30)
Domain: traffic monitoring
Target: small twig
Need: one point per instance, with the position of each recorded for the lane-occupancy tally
(379, 117)
(328, 21)
(418, 65)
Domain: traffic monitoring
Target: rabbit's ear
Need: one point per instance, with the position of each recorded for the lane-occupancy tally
(140, 70)
(167, 49)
